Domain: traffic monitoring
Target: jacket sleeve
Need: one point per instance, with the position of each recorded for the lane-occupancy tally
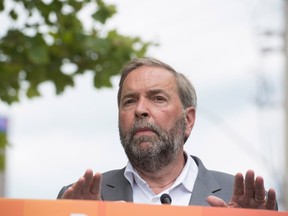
(62, 191)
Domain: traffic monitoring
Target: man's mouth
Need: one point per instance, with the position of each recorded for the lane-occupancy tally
(144, 132)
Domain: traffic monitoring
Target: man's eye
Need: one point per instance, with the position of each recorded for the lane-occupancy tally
(159, 98)
(129, 101)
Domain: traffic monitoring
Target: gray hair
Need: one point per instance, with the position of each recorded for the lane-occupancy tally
(186, 90)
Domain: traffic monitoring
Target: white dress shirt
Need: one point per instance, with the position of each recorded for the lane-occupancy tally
(180, 192)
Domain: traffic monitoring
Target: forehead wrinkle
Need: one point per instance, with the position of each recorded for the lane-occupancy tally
(150, 84)
(130, 92)
(145, 79)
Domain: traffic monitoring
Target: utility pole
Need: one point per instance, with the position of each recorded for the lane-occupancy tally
(285, 193)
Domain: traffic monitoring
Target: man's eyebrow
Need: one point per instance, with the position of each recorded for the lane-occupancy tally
(129, 95)
(157, 91)
(149, 93)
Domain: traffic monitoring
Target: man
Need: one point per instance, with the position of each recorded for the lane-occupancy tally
(157, 109)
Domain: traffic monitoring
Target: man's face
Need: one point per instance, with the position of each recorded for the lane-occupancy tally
(152, 121)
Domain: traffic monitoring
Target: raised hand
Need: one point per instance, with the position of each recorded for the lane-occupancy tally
(87, 187)
(248, 193)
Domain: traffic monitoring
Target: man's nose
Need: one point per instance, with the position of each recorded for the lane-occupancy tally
(142, 109)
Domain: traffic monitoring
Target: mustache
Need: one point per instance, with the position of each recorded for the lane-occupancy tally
(139, 125)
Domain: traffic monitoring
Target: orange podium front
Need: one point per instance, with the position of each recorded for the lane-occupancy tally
(26, 207)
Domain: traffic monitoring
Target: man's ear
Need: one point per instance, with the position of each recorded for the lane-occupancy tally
(190, 120)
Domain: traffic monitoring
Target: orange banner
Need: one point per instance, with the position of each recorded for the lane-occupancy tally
(26, 207)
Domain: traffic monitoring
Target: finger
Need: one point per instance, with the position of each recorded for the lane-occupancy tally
(68, 194)
(260, 195)
(249, 184)
(271, 200)
(88, 176)
(216, 202)
(238, 185)
(74, 191)
(95, 188)
(77, 187)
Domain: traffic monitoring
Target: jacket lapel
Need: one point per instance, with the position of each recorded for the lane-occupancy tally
(204, 186)
(116, 187)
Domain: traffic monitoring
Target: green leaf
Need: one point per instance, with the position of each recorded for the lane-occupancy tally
(37, 50)
(38, 55)
(101, 79)
(2, 161)
(13, 15)
(32, 91)
(31, 59)
(77, 5)
(3, 144)
(1, 5)
(104, 12)
(3, 140)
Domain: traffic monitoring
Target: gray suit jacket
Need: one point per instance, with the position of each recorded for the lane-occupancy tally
(116, 187)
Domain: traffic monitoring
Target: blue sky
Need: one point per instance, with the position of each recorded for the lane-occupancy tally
(54, 139)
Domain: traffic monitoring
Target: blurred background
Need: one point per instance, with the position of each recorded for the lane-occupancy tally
(233, 51)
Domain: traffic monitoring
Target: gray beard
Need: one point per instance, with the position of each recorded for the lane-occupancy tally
(162, 148)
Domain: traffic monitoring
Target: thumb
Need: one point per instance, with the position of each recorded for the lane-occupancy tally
(216, 202)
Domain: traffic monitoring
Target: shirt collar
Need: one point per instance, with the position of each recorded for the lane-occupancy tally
(187, 177)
